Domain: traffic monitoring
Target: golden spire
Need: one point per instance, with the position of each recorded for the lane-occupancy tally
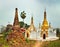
(45, 26)
(45, 22)
(32, 27)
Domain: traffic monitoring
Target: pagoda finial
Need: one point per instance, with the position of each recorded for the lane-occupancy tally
(32, 20)
(45, 10)
(16, 8)
(45, 13)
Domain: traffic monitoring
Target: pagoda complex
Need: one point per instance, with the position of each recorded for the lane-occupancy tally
(44, 31)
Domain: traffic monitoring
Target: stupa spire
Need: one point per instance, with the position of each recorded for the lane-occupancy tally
(32, 20)
(45, 13)
(16, 20)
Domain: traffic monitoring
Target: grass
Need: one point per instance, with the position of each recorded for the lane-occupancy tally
(55, 43)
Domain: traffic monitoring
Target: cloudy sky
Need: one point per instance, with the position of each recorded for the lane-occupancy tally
(33, 8)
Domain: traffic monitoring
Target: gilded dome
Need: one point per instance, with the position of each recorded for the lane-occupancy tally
(45, 23)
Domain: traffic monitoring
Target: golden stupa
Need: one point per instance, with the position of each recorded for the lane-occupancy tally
(31, 28)
(44, 27)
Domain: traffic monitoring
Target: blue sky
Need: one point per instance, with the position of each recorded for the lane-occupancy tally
(33, 8)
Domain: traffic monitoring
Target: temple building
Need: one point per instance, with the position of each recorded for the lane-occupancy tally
(31, 28)
(44, 27)
(44, 32)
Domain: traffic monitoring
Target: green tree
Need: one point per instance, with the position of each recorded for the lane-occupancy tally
(23, 15)
(22, 23)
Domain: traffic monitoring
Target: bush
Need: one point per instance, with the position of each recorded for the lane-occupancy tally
(27, 40)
